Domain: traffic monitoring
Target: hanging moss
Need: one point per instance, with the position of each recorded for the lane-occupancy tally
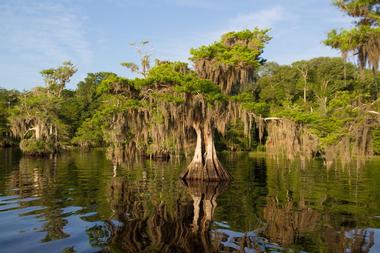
(375, 134)
(231, 62)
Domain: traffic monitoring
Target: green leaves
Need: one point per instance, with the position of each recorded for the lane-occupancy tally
(200, 86)
(349, 40)
(38, 121)
(90, 133)
(367, 10)
(169, 73)
(363, 40)
(130, 65)
(8, 99)
(375, 134)
(56, 79)
(181, 79)
(114, 84)
(235, 48)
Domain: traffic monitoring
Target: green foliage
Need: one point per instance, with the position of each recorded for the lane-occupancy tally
(117, 104)
(235, 48)
(210, 90)
(349, 40)
(279, 85)
(335, 93)
(56, 79)
(363, 40)
(366, 10)
(184, 80)
(130, 65)
(111, 95)
(115, 85)
(37, 118)
(37, 147)
(298, 115)
(87, 95)
(8, 100)
(234, 139)
(248, 101)
(90, 134)
(376, 140)
(170, 73)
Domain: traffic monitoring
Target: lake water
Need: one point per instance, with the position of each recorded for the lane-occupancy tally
(78, 202)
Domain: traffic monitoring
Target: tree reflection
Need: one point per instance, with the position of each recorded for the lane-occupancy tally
(36, 178)
(290, 226)
(145, 208)
(204, 196)
(285, 223)
(317, 210)
(145, 222)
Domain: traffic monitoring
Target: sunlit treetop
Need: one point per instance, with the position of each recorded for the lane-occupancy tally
(367, 10)
(114, 84)
(166, 73)
(235, 48)
(233, 61)
(182, 80)
(57, 78)
(348, 40)
(363, 41)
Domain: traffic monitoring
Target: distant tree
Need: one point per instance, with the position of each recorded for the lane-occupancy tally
(87, 94)
(304, 70)
(56, 79)
(363, 41)
(40, 120)
(35, 120)
(144, 56)
(278, 85)
(8, 99)
(329, 75)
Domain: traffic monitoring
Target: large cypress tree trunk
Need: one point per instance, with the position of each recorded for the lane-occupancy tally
(205, 165)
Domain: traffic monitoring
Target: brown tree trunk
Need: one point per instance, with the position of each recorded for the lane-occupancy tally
(205, 165)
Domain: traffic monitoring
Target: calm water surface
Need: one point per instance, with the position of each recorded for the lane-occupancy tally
(79, 202)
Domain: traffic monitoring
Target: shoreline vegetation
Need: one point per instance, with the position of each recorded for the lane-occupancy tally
(230, 98)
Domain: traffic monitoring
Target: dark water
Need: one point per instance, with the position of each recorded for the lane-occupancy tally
(79, 203)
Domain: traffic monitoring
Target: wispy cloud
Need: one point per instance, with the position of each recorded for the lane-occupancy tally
(43, 31)
(204, 4)
(266, 18)
(194, 4)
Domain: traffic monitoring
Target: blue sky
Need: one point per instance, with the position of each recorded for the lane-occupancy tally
(95, 34)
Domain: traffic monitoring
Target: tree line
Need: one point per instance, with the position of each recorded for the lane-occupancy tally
(229, 98)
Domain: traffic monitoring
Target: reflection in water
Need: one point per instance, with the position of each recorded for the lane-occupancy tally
(80, 202)
(285, 224)
(204, 195)
(38, 178)
(181, 226)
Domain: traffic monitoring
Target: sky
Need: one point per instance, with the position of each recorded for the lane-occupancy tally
(96, 34)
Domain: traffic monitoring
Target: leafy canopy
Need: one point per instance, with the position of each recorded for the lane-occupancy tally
(183, 80)
(363, 40)
(235, 48)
